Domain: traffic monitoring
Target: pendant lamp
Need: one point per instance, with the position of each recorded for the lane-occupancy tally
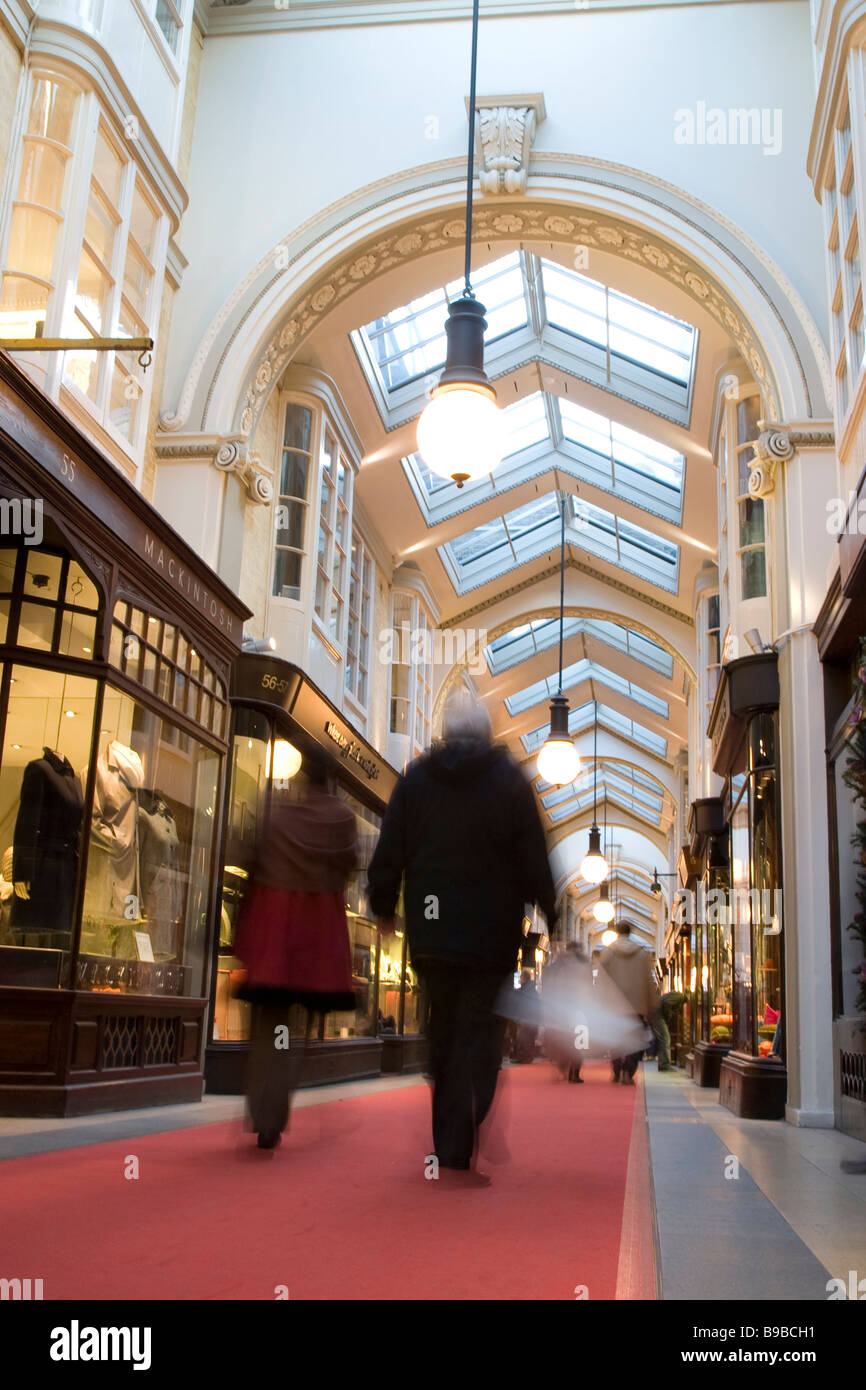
(603, 910)
(558, 760)
(594, 867)
(461, 432)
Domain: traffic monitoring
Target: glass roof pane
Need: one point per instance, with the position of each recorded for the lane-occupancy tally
(480, 543)
(635, 331)
(526, 424)
(528, 639)
(573, 675)
(409, 341)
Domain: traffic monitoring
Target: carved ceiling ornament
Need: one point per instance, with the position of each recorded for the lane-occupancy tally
(536, 222)
(504, 131)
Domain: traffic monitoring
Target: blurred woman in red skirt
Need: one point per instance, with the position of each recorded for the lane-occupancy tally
(293, 937)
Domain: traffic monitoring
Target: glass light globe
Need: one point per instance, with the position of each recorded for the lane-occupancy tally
(608, 938)
(285, 762)
(558, 762)
(461, 433)
(603, 911)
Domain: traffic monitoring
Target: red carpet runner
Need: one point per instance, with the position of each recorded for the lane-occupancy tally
(342, 1210)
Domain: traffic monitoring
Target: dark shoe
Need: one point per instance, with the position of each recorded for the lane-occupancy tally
(628, 1081)
(269, 1139)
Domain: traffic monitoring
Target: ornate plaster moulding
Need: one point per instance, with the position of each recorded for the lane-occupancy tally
(755, 289)
(779, 444)
(228, 455)
(505, 128)
(524, 222)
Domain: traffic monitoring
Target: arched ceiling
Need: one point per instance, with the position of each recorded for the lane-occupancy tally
(629, 650)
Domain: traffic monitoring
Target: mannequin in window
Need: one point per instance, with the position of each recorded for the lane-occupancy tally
(45, 845)
(112, 870)
(161, 887)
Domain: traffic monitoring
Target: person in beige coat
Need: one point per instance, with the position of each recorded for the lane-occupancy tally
(629, 967)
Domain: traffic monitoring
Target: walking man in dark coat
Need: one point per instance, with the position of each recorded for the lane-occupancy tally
(463, 832)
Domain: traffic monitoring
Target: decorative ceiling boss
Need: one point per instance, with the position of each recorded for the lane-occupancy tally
(505, 128)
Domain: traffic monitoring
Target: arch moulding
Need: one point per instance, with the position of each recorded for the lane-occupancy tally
(570, 202)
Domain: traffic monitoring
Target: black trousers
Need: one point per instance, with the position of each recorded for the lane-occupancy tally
(466, 1044)
(627, 1065)
(273, 1072)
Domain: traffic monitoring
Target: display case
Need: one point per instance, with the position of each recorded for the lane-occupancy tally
(277, 716)
(113, 723)
(753, 1078)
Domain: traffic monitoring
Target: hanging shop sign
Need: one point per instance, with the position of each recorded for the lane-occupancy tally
(267, 680)
(746, 687)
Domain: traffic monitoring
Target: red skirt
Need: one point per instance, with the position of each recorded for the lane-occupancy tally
(295, 947)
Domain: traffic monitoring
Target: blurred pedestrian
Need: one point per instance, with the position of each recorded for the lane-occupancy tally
(629, 966)
(293, 937)
(669, 1005)
(527, 1029)
(463, 831)
(566, 988)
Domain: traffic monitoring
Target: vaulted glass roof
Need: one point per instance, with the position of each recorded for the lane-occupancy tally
(410, 341)
(579, 671)
(544, 432)
(640, 795)
(500, 545)
(613, 779)
(582, 717)
(593, 331)
(528, 639)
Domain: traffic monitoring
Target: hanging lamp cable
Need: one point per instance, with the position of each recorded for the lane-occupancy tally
(470, 176)
(561, 586)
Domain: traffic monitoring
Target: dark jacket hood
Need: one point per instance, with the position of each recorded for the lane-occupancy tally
(462, 761)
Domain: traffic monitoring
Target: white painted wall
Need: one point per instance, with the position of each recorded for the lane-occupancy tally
(289, 123)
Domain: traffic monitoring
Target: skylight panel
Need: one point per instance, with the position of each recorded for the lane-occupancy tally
(529, 639)
(410, 342)
(576, 673)
(633, 331)
(526, 424)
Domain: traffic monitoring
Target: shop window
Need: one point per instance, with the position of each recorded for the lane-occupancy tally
(752, 537)
(40, 206)
(149, 857)
(712, 651)
(411, 670)
(43, 772)
(332, 549)
(360, 619)
(169, 21)
(295, 470)
(85, 247)
(157, 655)
(47, 602)
(113, 286)
(740, 923)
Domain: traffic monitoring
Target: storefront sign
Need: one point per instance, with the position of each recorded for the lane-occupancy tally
(42, 435)
(351, 749)
(261, 679)
(179, 575)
